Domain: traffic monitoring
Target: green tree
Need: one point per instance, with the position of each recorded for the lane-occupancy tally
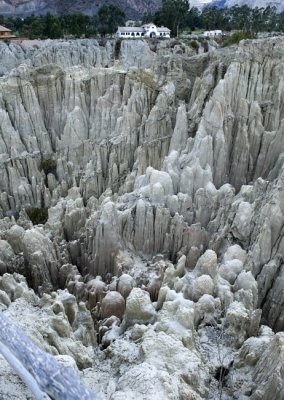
(91, 27)
(48, 21)
(148, 17)
(270, 19)
(241, 18)
(109, 18)
(18, 23)
(280, 22)
(36, 30)
(78, 22)
(214, 18)
(173, 14)
(56, 30)
(193, 19)
(236, 37)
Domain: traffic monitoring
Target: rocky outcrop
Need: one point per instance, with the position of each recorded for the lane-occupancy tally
(141, 199)
(27, 7)
(231, 3)
(39, 53)
(252, 3)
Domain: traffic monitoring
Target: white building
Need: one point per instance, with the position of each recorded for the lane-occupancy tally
(132, 22)
(199, 3)
(146, 31)
(212, 33)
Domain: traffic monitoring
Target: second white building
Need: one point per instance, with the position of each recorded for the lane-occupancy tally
(146, 31)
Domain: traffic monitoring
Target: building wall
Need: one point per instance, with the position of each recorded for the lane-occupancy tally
(164, 34)
(212, 33)
(151, 32)
(129, 35)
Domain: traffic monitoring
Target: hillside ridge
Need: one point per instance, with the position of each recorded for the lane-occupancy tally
(132, 9)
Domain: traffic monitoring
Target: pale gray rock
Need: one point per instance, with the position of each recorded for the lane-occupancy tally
(162, 173)
(69, 304)
(202, 285)
(125, 284)
(113, 304)
(207, 310)
(96, 291)
(7, 255)
(235, 252)
(268, 374)
(11, 385)
(136, 53)
(83, 326)
(139, 308)
(242, 223)
(51, 331)
(39, 53)
(241, 323)
(253, 3)
(12, 286)
(177, 317)
(230, 270)
(207, 264)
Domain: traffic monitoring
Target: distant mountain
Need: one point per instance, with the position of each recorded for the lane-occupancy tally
(218, 3)
(132, 8)
(200, 3)
(279, 4)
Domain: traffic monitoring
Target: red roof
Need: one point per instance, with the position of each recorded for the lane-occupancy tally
(3, 29)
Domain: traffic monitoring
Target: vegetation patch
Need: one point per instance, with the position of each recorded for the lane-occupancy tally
(205, 46)
(221, 373)
(147, 78)
(236, 37)
(48, 166)
(174, 14)
(38, 215)
(117, 48)
(194, 45)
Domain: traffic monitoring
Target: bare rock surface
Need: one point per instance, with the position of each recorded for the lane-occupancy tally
(142, 211)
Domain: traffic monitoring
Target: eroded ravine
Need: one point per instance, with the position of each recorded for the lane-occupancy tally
(158, 179)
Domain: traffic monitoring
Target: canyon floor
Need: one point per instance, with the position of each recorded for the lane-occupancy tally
(142, 215)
